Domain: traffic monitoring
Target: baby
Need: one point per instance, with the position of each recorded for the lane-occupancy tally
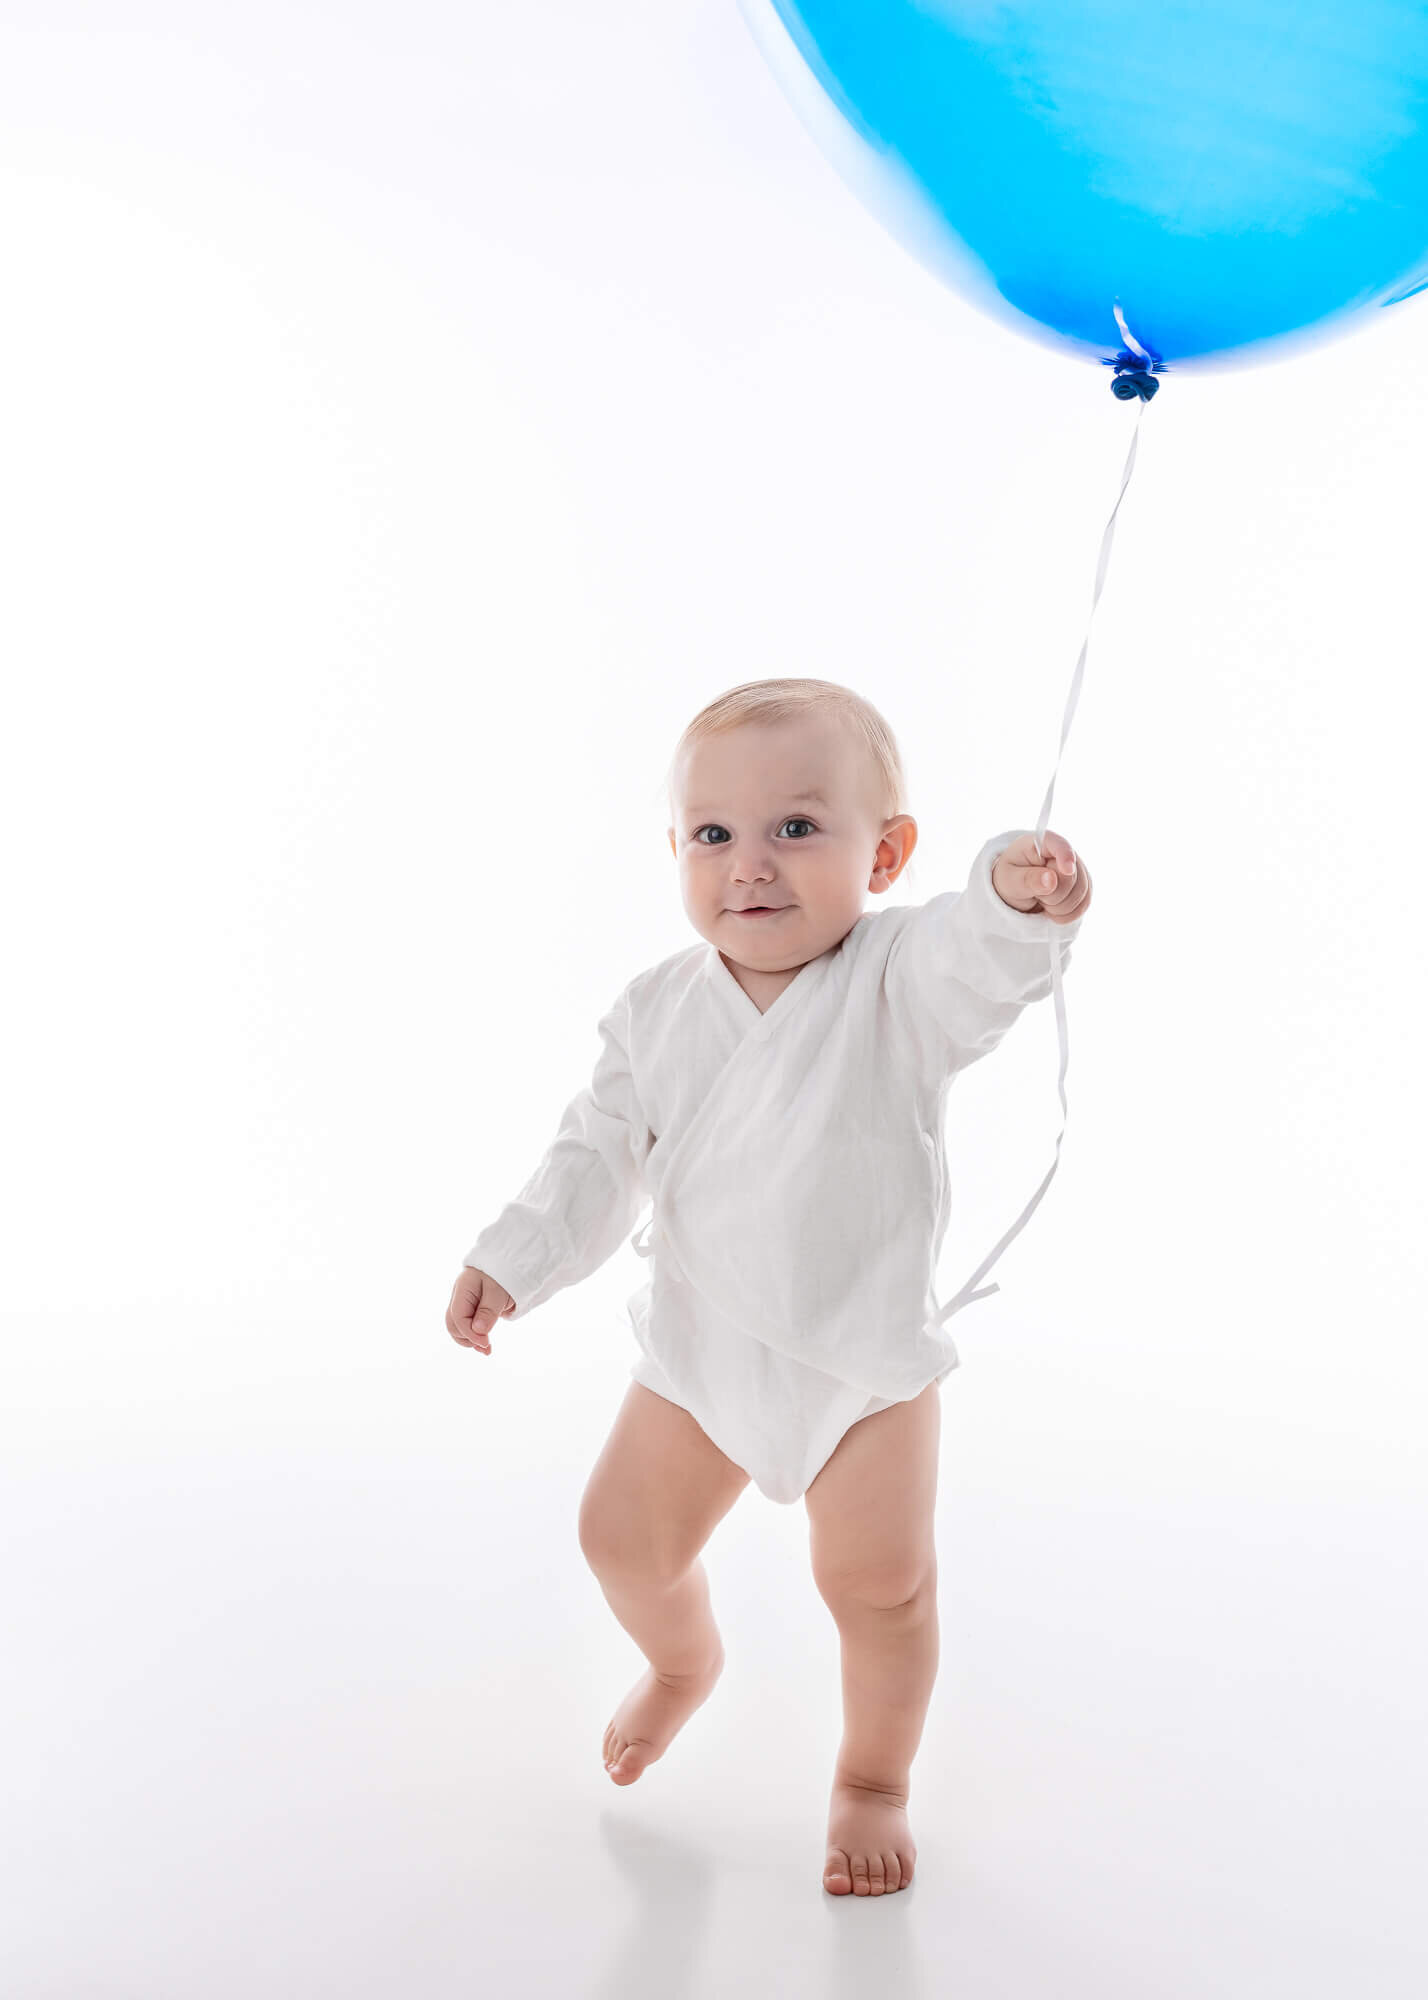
(777, 1094)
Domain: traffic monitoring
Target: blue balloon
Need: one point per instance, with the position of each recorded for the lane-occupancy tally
(1183, 181)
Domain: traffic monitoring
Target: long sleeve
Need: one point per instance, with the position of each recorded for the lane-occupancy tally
(965, 964)
(584, 1196)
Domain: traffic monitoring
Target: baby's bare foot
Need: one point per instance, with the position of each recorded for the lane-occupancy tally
(652, 1715)
(870, 1845)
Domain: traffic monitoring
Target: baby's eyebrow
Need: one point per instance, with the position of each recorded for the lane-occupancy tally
(791, 798)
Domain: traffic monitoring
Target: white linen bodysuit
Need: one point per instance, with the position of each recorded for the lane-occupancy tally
(796, 1166)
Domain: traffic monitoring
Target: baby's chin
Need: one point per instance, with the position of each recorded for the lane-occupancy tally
(774, 943)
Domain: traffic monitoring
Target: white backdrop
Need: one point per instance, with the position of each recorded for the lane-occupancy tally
(412, 417)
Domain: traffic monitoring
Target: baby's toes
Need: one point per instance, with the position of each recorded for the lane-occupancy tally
(627, 1761)
(892, 1872)
(837, 1875)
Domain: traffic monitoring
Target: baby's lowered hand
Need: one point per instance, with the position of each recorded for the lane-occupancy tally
(477, 1302)
(1056, 883)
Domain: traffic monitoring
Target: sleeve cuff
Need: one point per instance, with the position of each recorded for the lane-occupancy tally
(489, 1254)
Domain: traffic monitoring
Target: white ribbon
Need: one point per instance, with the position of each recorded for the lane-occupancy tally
(645, 1237)
(968, 1293)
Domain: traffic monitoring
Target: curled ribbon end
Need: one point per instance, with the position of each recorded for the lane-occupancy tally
(1134, 382)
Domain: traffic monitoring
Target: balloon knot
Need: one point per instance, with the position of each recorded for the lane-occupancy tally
(1134, 377)
(1134, 382)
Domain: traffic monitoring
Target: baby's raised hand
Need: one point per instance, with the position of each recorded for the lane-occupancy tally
(1057, 884)
(477, 1302)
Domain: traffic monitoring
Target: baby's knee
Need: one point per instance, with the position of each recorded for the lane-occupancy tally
(622, 1549)
(902, 1579)
(597, 1531)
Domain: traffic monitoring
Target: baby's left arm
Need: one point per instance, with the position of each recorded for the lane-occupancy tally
(961, 967)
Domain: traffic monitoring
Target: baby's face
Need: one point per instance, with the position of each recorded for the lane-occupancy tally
(785, 816)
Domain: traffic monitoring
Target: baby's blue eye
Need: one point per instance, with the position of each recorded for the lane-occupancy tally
(794, 819)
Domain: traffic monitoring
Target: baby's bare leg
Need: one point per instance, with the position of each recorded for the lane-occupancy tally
(870, 1514)
(659, 1488)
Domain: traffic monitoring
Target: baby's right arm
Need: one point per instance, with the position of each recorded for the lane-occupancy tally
(477, 1302)
(577, 1206)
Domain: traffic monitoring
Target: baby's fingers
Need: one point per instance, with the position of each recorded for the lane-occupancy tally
(471, 1313)
(468, 1336)
(465, 1335)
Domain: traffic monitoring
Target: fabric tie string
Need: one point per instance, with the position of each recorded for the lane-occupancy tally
(643, 1243)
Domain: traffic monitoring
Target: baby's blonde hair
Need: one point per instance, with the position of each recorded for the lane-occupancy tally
(783, 701)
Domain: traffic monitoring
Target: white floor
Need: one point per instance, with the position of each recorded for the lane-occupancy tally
(307, 1685)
